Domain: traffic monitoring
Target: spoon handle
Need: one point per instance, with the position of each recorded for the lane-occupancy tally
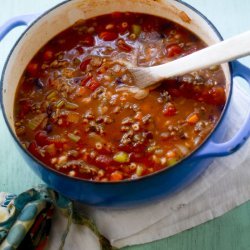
(227, 50)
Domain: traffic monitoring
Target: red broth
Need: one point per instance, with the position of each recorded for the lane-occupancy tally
(77, 111)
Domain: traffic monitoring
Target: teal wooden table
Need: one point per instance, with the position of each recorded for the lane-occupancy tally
(228, 232)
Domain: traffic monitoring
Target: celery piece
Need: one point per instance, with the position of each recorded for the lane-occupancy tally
(60, 103)
(73, 137)
(71, 105)
(52, 95)
(172, 161)
(136, 29)
(121, 157)
(139, 170)
(36, 121)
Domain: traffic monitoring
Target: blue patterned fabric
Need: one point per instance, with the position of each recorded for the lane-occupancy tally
(25, 220)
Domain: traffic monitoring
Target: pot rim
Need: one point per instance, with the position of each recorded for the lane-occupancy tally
(72, 178)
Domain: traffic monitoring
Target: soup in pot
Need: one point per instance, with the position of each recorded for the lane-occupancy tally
(78, 111)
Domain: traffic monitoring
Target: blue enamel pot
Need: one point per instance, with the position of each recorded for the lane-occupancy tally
(129, 192)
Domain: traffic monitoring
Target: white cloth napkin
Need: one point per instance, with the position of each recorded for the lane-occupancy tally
(223, 186)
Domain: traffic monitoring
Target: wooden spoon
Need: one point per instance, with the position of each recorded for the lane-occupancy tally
(225, 51)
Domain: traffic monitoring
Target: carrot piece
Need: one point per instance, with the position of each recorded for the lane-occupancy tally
(192, 119)
(32, 68)
(81, 91)
(116, 176)
(73, 117)
(48, 55)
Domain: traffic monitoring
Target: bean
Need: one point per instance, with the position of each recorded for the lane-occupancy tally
(39, 84)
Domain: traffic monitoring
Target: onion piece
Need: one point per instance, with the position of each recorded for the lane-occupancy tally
(184, 150)
(36, 121)
(73, 137)
(197, 140)
(137, 92)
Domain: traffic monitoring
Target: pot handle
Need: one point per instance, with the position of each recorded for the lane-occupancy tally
(212, 149)
(15, 22)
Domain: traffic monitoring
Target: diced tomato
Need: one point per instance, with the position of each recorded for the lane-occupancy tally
(103, 160)
(84, 64)
(169, 109)
(122, 45)
(27, 86)
(187, 90)
(48, 55)
(32, 68)
(25, 107)
(92, 84)
(140, 147)
(108, 36)
(87, 40)
(217, 96)
(85, 80)
(105, 150)
(136, 156)
(116, 15)
(57, 141)
(147, 26)
(136, 147)
(123, 27)
(173, 50)
(80, 50)
(33, 149)
(147, 161)
(42, 139)
(174, 92)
